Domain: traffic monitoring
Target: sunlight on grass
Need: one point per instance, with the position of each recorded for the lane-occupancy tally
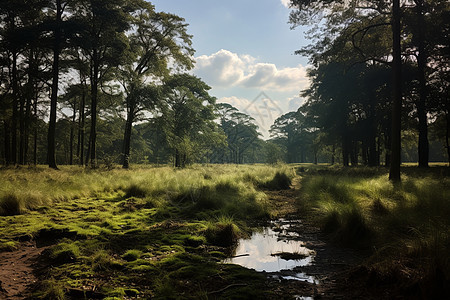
(141, 223)
(407, 223)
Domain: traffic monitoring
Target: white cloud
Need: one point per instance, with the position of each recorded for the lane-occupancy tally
(227, 69)
(269, 77)
(223, 68)
(286, 3)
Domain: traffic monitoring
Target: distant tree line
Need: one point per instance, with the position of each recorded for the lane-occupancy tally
(380, 73)
(89, 80)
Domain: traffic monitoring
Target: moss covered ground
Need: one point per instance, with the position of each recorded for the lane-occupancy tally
(154, 232)
(162, 233)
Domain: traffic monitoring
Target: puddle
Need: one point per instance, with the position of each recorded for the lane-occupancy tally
(291, 275)
(275, 250)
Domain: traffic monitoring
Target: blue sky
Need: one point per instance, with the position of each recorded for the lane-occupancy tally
(244, 48)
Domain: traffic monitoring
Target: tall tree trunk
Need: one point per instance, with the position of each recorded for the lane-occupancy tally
(22, 131)
(13, 153)
(33, 69)
(447, 137)
(94, 100)
(423, 149)
(127, 134)
(79, 132)
(88, 152)
(72, 129)
(35, 131)
(51, 154)
(27, 128)
(394, 172)
(81, 127)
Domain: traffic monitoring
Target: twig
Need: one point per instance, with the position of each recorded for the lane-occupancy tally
(227, 287)
(241, 255)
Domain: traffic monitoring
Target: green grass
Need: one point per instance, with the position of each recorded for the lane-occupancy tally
(149, 231)
(406, 223)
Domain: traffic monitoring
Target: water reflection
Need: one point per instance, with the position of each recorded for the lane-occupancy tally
(260, 251)
(299, 276)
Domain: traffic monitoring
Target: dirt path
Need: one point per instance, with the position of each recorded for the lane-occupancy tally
(332, 264)
(16, 271)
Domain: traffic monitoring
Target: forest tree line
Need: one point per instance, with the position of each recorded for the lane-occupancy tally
(84, 81)
(349, 104)
(89, 80)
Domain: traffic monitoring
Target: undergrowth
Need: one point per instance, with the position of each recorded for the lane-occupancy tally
(404, 223)
(145, 232)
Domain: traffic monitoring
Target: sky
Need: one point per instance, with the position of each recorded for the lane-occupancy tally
(245, 52)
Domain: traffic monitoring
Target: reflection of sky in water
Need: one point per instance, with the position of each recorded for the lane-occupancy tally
(260, 247)
(301, 277)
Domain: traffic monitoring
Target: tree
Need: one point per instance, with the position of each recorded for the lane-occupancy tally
(289, 131)
(103, 41)
(158, 39)
(338, 15)
(57, 45)
(394, 171)
(188, 118)
(241, 133)
(11, 44)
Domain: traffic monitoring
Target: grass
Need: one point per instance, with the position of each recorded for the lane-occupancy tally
(404, 227)
(281, 181)
(155, 232)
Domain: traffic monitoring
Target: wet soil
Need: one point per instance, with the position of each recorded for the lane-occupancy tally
(333, 265)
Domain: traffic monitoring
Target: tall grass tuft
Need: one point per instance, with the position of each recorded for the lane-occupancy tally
(11, 205)
(224, 232)
(281, 181)
(134, 190)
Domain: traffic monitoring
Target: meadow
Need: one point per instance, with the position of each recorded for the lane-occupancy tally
(147, 232)
(403, 228)
(160, 232)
